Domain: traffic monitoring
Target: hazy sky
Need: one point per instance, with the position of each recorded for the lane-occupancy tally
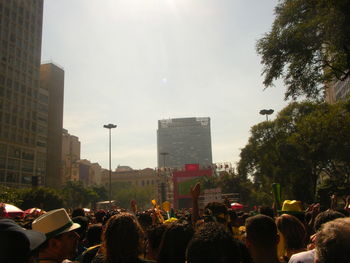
(134, 62)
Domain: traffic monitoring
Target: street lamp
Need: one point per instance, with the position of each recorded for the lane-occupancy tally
(267, 113)
(110, 127)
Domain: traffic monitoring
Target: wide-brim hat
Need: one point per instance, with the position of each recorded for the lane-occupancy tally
(54, 222)
(23, 236)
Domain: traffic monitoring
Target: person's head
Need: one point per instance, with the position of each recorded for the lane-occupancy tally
(267, 211)
(84, 223)
(78, 212)
(174, 242)
(121, 239)
(212, 243)
(145, 220)
(325, 217)
(293, 232)
(93, 235)
(216, 212)
(333, 242)
(261, 235)
(16, 243)
(99, 215)
(62, 240)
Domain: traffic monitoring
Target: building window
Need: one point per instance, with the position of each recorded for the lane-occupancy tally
(12, 177)
(27, 166)
(3, 149)
(2, 162)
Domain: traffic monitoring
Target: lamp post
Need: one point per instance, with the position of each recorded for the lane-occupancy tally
(110, 126)
(267, 113)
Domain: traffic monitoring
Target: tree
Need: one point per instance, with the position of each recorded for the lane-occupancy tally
(41, 197)
(307, 141)
(124, 192)
(308, 45)
(230, 182)
(9, 195)
(98, 193)
(76, 195)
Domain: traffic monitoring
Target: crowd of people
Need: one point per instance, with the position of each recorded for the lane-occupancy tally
(215, 234)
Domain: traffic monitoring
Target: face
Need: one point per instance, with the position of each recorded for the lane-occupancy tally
(68, 243)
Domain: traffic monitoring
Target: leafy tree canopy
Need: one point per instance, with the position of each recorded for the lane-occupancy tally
(308, 45)
(42, 197)
(305, 143)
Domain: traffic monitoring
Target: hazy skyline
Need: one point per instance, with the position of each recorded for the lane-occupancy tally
(134, 62)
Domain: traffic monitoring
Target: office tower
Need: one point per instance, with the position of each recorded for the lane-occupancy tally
(337, 90)
(23, 104)
(70, 157)
(52, 82)
(184, 141)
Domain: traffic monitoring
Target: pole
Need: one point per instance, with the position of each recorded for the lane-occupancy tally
(110, 169)
(110, 127)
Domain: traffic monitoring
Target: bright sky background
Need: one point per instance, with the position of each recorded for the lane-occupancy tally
(134, 62)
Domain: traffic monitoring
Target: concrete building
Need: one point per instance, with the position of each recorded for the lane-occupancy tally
(70, 157)
(52, 80)
(96, 174)
(184, 141)
(143, 178)
(23, 103)
(337, 90)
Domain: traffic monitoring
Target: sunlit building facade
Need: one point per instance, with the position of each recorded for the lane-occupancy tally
(337, 90)
(52, 89)
(23, 104)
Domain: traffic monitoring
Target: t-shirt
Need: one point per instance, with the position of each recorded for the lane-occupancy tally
(303, 257)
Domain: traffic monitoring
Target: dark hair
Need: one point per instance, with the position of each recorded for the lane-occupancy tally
(261, 230)
(267, 211)
(78, 212)
(99, 215)
(145, 220)
(325, 217)
(93, 235)
(84, 223)
(333, 241)
(215, 212)
(174, 242)
(121, 240)
(292, 230)
(212, 243)
(154, 236)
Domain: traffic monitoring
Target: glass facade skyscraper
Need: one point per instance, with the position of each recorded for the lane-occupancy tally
(184, 141)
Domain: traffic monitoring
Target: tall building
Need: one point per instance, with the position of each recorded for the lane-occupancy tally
(23, 104)
(337, 90)
(184, 141)
(70, 157)
(52, 81)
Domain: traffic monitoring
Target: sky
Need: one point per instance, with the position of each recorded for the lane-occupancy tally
(134, 62)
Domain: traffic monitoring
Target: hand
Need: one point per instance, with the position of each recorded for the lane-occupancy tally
(333, 201)
(347, 200)
(315, 209)
(196, 191)
(133, 205)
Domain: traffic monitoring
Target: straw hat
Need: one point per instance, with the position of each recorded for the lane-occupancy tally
(54, 223)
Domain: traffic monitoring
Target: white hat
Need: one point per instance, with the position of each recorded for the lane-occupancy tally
(54, 222)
